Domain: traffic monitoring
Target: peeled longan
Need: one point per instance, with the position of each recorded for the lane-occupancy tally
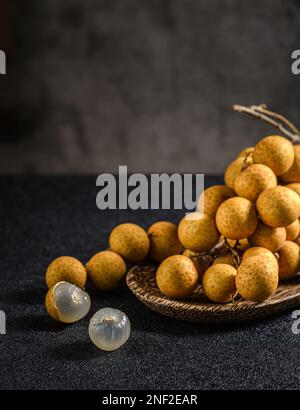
(201, 262)
(219, 283)
(232, 171)
(253, 180)
(105, 270)
(177, 277)
(236, 218)
(245, 152)
(260, 251)
(164, 240)
(288, 260)
(198, 232)
(130, 241)
(276, 152)
(278, 207)
(257, 278)
(66, 269)
(212, 197)
(267, 237)
(293, 173)
(293, 230)
(295, 187)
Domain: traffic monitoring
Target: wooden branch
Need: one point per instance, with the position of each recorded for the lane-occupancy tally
(262, 113)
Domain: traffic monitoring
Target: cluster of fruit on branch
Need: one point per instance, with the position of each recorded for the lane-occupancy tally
(243, 239)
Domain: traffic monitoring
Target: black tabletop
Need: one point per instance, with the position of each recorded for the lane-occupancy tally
(45, 217)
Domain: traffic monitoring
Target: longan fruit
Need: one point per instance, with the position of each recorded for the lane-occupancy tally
(201, 263)
(212, 197)
(236, 218)
(219, 283)
(267, 237)
(105, 270)
(164, 241)
(276, 152)
(260, 251)
(295, 187)
(245, 152)
(130, 241)
(288, 260)
(293, 230)
(177, 277)
(253, 180)
(227, 258)
(66, 269)
(232, 171)
(257, 278)
(278, 206)
(198, 232)
(293, 173)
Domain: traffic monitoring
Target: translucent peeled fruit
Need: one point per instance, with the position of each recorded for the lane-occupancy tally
(67, 303)
(109, 329)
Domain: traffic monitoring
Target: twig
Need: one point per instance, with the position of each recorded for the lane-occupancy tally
(260, 112)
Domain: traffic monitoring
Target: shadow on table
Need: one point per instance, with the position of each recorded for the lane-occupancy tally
(146, 320)
(37, 323)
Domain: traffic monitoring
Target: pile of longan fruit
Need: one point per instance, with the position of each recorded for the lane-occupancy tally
(243, 239)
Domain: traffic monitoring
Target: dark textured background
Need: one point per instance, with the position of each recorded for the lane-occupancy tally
(37, 225)
(148, 83)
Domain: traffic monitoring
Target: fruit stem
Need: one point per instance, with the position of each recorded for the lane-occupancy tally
(261, 112)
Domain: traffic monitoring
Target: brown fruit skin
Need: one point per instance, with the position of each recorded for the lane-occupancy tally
(257, 278)
(105, 270)
(177, 277)
(260, 251)
(212, 197)
(164, 241)
(292, 230)
(267, 237)
(278, 207)
(130, 241)
(50, 304)
(198, 234)
(245, 152)
(288, 260)
(227, 259)
(201, 263)
(251, 182)
(219, 283)
(236, 218)
(295, 187)
(66, 269)
(276, 152)
(233, 169)
(293, 174)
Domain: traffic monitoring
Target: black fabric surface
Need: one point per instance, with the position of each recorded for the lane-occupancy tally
(45, 217)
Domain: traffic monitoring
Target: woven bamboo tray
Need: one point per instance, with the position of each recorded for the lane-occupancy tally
(141, 281)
